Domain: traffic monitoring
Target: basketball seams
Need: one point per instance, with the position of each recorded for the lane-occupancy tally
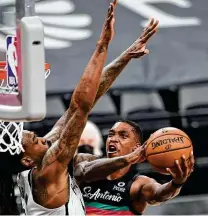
(166, 135)
(169, 150)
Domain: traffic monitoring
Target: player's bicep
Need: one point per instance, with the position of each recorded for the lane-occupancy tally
(63, 150)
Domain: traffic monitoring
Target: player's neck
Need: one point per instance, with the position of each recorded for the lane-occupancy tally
(118, 174)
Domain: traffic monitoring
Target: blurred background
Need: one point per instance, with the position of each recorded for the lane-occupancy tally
(167, 88)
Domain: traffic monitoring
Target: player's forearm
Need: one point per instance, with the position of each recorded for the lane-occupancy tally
(101, 168)
(110, 73)
(80, 106)
(86, 90)
(164, 193)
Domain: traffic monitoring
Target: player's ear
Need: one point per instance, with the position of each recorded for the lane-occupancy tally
(27, 161)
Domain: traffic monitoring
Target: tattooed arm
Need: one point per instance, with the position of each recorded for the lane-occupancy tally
(136, 50)
(61, 153)
(112, 71)
(87, 168)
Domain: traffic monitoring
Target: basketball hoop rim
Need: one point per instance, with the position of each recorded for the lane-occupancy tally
(3, 70)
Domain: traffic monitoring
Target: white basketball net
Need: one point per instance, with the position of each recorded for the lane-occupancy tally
(11, 132)
(11, 137)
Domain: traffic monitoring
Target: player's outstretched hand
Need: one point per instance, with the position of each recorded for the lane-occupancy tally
(180, 173)
(107, 32)
(138, 48)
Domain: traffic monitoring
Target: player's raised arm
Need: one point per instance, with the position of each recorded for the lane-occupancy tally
(112, 70)
(60, 154)
(136, 50)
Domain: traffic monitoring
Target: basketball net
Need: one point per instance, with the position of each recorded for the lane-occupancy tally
(11, 132)
(11, 136)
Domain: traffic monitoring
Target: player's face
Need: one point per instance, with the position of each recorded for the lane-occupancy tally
(35, 147)
(121, 140)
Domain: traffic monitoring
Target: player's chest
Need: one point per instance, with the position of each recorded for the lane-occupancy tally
(115, 192)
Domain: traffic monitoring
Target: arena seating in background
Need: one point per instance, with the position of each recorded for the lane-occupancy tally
(145, 107)
(55, 107)
(104, 108)
(193, 102)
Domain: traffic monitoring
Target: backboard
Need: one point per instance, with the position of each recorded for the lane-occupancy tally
(22, 62)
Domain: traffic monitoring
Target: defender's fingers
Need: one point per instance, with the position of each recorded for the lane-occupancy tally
(146, 51)
(115, 2)
(110, 9)
(151, 22)
(148, 36)
(150, 28)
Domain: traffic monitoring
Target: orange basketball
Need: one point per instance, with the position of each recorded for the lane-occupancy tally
(165, 146)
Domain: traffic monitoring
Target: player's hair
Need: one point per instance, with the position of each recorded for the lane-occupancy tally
(136, 127)
(10, 165)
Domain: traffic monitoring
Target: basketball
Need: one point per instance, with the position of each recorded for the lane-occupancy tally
(165, 146)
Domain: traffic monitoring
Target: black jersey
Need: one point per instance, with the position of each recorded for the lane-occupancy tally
(109, 197)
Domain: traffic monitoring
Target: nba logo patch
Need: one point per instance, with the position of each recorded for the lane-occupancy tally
(12, 61)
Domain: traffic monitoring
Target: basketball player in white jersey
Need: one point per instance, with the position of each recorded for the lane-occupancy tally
(47, 189)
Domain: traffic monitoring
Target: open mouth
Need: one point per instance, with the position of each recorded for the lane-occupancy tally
(112, 148)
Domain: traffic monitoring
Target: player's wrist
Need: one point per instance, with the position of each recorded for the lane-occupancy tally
(103, 43)
(176, 185)
(131, 158)
(126, 56)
